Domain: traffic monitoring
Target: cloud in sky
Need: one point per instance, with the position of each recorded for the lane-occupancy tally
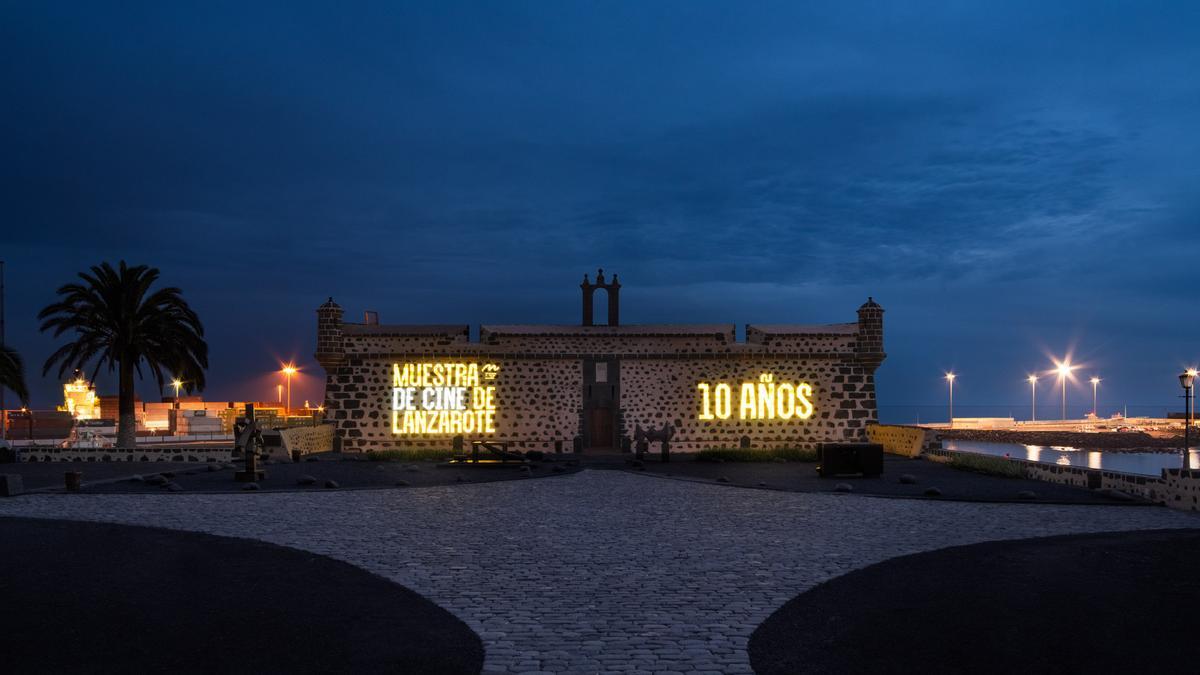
(1004, 178)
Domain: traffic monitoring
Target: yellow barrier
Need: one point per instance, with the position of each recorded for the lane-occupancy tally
(906, 441)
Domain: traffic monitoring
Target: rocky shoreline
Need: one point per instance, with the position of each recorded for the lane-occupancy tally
(1116, 441)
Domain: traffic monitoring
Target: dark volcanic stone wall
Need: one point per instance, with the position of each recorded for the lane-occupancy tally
(539, 390)
(658, 391)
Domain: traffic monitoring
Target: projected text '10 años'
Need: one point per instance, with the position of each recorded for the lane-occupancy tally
(762, 400)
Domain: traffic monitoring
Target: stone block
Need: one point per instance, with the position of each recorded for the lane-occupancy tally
(11, 485)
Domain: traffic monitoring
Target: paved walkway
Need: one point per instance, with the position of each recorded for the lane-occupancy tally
(602, 570)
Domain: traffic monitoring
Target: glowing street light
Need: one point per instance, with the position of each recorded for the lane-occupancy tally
(177, 383)
(1095, 387)
(950, 379)
(289, 369)
(1186, 379)
(1064, 369)
(1033, 402)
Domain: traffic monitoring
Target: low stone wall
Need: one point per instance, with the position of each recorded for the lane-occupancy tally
(1183, 489)
(117, 455)
(1175, 488)
(906, 441)
(308, 440)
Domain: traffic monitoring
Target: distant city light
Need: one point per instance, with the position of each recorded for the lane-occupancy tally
(950, 379)
(288, 370)
(1033, 392)
(1064, 369)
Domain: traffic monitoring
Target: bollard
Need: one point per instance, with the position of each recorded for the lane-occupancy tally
(11, 485)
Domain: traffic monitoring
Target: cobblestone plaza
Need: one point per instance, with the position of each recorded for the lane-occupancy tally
(601, 571)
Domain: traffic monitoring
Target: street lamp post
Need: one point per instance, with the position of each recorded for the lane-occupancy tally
(950, 379)
(1033, 400)
(1064, 371)
(289, 370)
(177, 384)
(1185, 380)
(1095, 388)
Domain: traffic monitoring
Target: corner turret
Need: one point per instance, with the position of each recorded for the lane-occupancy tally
(331, 352)
(868, 348)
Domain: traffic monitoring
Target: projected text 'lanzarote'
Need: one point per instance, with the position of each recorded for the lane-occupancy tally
(443, 398)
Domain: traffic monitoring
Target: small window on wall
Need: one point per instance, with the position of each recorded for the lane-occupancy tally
(602, 371)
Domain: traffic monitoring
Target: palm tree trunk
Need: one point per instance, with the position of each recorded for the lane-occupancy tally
(127, 420)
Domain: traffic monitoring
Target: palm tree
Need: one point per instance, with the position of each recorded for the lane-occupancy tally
(12, 374)
(120, 323)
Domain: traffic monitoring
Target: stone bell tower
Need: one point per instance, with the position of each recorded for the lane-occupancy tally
(612, 288)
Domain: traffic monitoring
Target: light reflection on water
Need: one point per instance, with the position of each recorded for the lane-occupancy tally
(1146, 463)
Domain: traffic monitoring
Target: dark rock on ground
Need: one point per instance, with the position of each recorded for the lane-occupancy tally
(1026, 494)
(1119, 603)
(332, 484)
(932, 492)
(306, 480)
(250, 486)
(908, 479)
(843, 487)
(171, 590)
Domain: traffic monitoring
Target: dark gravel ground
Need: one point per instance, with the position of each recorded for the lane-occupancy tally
(1108, 603)
(348, 471)
(102, 598)
(954, 484)
(50, 474)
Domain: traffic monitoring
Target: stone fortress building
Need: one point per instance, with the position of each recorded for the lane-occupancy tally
(545, 386)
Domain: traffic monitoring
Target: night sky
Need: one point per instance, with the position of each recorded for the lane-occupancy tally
(1009, 180)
